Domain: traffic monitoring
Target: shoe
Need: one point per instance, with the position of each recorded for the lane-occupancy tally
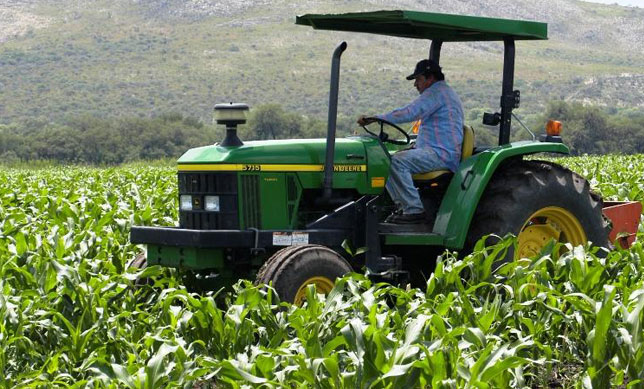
(393, 215)
(407, 218)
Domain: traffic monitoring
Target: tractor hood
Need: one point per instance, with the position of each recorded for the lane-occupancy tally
(296, 151)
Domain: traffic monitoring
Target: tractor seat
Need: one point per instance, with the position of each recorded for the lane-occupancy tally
(466, 151)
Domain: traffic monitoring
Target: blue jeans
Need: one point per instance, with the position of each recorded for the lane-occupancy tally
(400, 184)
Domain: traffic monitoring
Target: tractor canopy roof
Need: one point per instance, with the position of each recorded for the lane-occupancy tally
(427, 25)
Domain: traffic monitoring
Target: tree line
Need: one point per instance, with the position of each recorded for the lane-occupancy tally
(596, 130)
(93, 140)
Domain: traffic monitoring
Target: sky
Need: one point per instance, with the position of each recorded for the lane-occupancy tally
(636, 3)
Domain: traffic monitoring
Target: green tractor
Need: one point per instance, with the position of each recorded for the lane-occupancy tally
(294, 212)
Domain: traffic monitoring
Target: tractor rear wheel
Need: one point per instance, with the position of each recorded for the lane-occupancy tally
(293, 268)
(538, 202)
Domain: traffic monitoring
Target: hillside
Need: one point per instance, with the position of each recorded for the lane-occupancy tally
(144, 58)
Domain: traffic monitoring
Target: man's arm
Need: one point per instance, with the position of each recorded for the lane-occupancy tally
(422, 106)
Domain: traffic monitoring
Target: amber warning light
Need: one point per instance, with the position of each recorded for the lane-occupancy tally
(415, 127)
(553, 128)
(553, 132)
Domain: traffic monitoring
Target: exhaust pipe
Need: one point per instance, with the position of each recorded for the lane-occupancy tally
(333, 115)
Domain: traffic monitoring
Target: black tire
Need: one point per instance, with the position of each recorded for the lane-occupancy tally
(290, 268)
(139, 262)
(519, 189)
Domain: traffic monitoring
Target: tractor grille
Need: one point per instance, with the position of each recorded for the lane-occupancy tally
(250, 200)
(291, 190)
(198, 185)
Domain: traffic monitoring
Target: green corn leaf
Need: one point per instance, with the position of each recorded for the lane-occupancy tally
(599, 373)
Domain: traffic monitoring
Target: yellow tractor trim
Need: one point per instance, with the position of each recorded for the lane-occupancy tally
(345, 168)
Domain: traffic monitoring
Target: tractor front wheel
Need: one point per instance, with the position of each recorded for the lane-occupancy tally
(539, 202)
(293, 268)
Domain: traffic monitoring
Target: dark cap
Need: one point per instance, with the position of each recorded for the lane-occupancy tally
(426, 66)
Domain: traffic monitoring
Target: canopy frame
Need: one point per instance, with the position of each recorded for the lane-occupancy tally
(440, 28)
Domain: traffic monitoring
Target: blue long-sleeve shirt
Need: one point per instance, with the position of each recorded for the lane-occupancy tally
(441, 114)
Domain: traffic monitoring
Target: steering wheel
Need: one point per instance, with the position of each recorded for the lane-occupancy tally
(383, 136)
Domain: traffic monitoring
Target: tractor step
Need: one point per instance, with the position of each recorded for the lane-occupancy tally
(409, 234)
(404, 228)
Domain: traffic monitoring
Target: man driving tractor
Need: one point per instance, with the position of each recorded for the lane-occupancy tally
(438, 145)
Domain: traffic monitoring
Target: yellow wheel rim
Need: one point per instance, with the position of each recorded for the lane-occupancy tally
(322, 285)
(549, 223)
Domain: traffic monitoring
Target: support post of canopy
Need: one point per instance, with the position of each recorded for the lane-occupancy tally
(508, 99)
(435, 50)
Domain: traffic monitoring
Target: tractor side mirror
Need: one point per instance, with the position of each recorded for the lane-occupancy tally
(491, 119)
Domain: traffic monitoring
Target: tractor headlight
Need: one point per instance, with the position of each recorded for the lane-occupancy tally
(211, 203)
(185, 203)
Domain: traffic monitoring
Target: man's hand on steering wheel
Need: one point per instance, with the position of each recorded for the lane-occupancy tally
(383, 136)
(365, 120)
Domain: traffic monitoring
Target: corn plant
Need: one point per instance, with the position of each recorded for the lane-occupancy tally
(72, 316)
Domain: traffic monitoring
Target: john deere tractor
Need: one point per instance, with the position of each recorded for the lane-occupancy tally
(296, 212)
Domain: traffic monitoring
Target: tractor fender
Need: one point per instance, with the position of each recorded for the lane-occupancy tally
(469, 183)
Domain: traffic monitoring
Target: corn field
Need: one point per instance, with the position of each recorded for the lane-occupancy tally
(72, 316)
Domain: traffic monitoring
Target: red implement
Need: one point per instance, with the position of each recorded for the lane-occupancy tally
(625, 216)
